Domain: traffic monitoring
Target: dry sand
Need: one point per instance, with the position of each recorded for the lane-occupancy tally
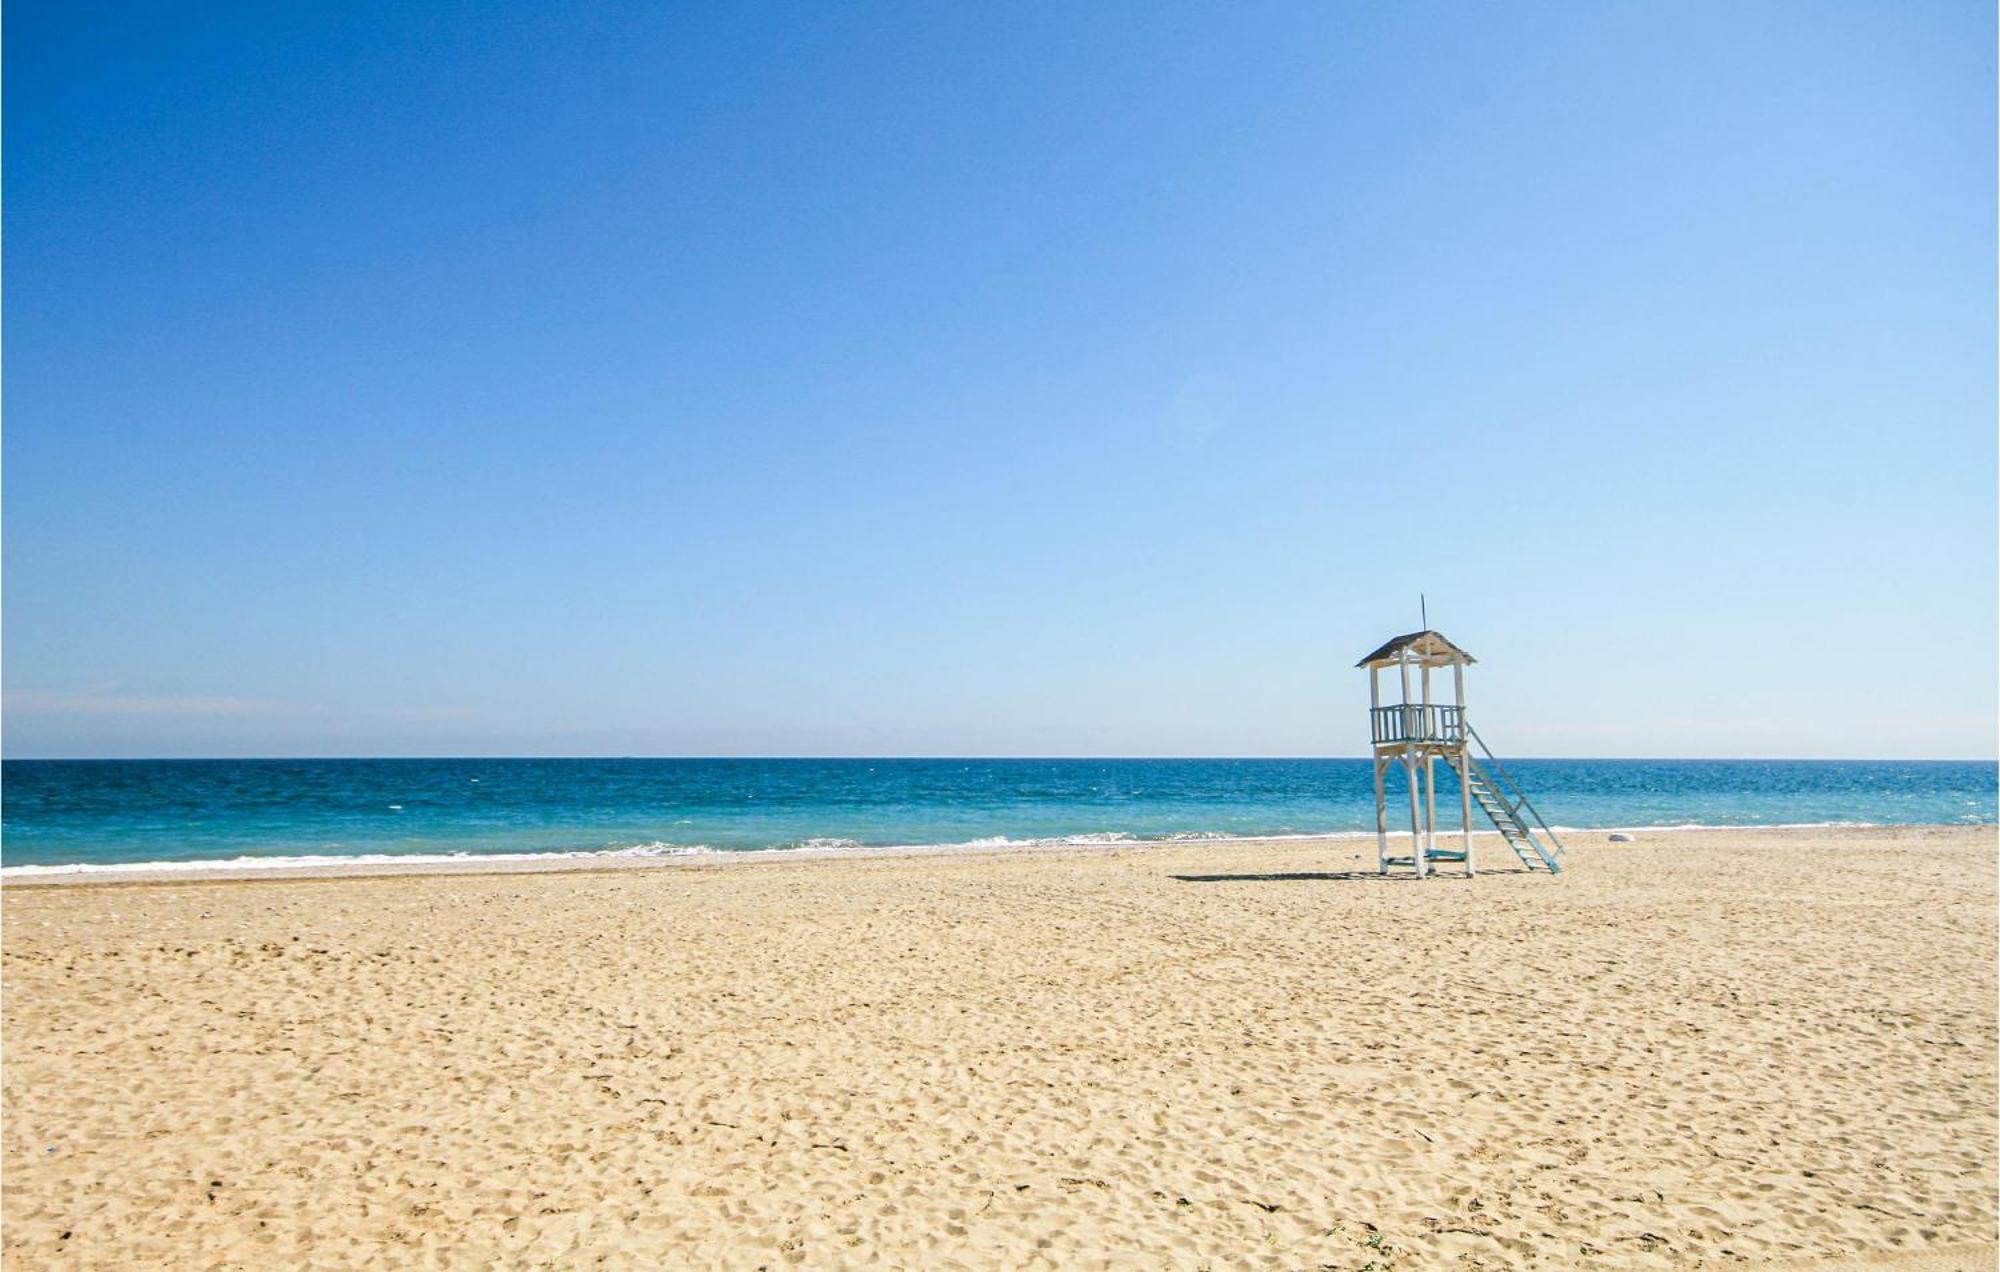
(1698, 1048)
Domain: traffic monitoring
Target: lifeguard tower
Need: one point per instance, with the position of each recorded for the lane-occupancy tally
(1420, 734)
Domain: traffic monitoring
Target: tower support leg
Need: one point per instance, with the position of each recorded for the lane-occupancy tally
(1430, 802)
(1417, 858)
(1465, 806)
(1381, 817)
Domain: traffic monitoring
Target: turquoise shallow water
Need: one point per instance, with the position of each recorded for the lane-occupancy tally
(77, 813)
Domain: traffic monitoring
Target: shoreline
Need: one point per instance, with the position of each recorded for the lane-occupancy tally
(371, 865)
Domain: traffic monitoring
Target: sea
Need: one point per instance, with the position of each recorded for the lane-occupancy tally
(75, 816)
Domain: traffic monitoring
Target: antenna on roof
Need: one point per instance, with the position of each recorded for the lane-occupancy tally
(1425, 610)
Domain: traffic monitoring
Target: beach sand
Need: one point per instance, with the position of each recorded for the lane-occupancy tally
(1699, 1048)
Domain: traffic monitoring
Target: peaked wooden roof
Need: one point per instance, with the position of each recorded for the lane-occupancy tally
(1430, 648)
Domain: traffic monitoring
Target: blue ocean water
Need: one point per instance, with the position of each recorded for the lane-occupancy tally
(69, 813)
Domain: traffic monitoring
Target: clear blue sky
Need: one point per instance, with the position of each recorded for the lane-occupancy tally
(960, 379)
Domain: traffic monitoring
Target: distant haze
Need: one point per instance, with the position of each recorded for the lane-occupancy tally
(1015, 380)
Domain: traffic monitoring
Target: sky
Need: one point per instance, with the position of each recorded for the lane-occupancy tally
(967, 379)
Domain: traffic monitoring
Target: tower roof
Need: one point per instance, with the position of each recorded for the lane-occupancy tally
(1427, 649)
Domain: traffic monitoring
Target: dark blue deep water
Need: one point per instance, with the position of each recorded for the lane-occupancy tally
(99, 812)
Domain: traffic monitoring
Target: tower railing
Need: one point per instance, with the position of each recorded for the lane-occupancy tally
(1416, 722)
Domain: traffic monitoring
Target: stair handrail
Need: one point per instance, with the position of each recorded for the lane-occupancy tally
(1513, 787)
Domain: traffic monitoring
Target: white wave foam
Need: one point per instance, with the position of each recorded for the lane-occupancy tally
(1818, 825)
(815, 846)
(310, 861)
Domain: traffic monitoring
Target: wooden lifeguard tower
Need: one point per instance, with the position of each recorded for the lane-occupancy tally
(1418, 734)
